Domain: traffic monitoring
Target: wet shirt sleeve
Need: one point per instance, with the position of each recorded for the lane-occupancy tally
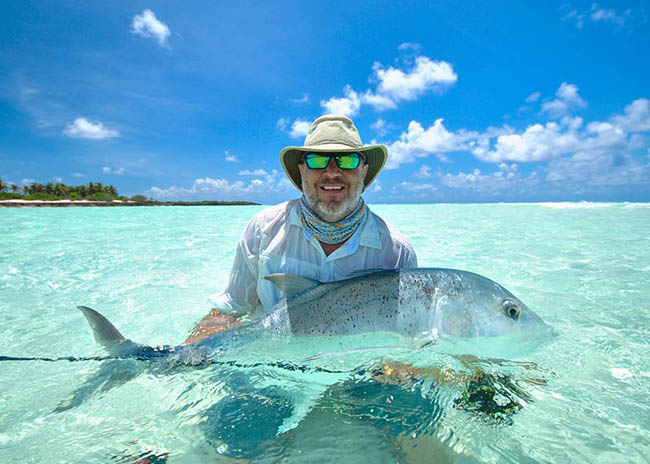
(240, 295)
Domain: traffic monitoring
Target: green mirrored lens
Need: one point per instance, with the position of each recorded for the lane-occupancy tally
(350, 161)
(315, 161)
(343, 161)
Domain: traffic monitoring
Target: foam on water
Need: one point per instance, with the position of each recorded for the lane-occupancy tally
(582, 267)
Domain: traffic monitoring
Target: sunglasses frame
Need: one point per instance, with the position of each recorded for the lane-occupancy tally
(337, 159)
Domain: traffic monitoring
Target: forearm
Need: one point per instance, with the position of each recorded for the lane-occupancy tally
(214, 322)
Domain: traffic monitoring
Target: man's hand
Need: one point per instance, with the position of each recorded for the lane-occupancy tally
(211, 324)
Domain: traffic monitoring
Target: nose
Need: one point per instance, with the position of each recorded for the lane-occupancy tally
(332, 167)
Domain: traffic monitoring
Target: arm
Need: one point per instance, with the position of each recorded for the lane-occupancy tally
(240, 294)
(214, 322)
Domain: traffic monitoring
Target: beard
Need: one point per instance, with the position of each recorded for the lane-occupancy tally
(331, 211)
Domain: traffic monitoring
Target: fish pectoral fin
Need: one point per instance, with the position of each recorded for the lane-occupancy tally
(105, 333)
(292, 284)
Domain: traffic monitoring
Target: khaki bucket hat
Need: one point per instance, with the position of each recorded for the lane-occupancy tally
(333, 134)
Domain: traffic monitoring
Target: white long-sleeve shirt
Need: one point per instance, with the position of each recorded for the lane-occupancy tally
(274, 241)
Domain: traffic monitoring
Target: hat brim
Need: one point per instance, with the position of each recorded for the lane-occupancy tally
(375, 156)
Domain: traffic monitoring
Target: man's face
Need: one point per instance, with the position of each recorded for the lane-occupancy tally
(332, 193)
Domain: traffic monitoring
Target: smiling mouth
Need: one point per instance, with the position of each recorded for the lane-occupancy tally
(330, 187)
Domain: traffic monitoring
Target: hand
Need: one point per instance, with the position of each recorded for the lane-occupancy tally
(211, 324)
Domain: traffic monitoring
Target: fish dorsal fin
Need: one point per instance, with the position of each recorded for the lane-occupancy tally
(292, 284)
(105, 333)
(365, 272)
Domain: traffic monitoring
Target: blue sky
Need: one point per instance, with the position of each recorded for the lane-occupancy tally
(489, 101)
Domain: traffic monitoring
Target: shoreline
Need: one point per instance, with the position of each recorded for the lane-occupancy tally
(17, 203)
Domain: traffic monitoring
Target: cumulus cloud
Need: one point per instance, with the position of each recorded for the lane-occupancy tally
(347, 106)
(537, 143)
(256, 172)
(83, 129)
(608, 15)
(394, 85)
(423, 173)
(418, 142)
(222, 189)
(636, 117)
(426, 75)
(109, 170)
(507, 178)
(299, 129)
(381, 127)
(147, 25)
(27, 182)
(533, 97)
(78, 174)
(567, 100)
(596, 14)
(231, 158)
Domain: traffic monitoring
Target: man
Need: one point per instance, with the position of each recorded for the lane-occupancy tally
(325, 235)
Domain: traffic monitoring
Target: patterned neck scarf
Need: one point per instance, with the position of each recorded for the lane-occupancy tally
(331, 232)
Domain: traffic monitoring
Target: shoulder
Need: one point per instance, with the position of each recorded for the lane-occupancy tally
(395, 244)
(270, 220)
(388, 232)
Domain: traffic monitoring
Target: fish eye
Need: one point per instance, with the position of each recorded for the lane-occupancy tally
(511, 309)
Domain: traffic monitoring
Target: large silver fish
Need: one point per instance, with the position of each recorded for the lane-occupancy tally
(422, 305)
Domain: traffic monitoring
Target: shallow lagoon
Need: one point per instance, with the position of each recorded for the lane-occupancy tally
(583, 267)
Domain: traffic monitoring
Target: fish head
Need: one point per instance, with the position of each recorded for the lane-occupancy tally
(475, 306)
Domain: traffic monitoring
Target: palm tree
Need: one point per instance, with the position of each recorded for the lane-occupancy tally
(3, 186)
(14, 188)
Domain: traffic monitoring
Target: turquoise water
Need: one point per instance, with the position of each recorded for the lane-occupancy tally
(583, 397)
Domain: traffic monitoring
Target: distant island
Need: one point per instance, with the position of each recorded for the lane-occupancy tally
(92, 194)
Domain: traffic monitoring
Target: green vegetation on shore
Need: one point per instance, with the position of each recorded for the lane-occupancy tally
(94, 192)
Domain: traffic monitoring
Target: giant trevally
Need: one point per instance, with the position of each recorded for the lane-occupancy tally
(421, 305)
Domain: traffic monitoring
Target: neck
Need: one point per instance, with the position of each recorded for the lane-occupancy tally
(330, 248)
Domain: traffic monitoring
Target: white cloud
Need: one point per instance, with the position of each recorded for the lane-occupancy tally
(147, 25)
(423, 173)
(282, 123)
(533, 97)
(78, 174)
(83, 129)
(299, 129)
(27, 181)
(596, 15)
(507, 179)
(381, 127)
(221, 189)
(300, 101)
(394, 86)
(601, 14)
(376, 186)
(418, 142)
(257, 172)
(636, 118)
(567, 100)
(537, 143)
(346, 106)
(108, 170)
(414, 187)
(231, 158)
(578, 18)
(416, 47)
(426, 75)
(57, 179)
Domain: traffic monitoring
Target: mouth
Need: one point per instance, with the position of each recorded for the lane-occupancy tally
(332, 188)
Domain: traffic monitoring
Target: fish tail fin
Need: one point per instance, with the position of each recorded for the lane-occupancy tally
(105, 333)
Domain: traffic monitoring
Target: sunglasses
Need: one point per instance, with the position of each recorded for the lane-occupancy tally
(343, 160)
